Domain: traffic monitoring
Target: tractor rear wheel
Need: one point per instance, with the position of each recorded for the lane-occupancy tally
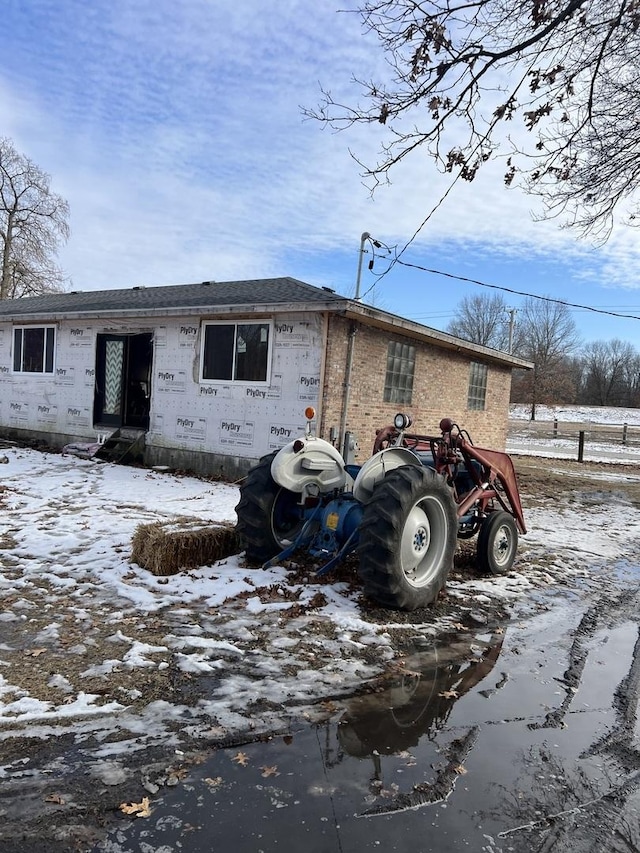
(497, 543)
(407, 538)
(269, 517)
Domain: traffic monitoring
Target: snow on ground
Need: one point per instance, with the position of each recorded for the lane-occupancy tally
(528, 437)
(68, 586)
(580, 414)
(566, 448)
(93, 644)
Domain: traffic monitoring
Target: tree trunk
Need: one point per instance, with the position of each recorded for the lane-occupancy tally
(6, 259)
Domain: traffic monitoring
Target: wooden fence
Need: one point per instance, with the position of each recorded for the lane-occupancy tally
(579, 434)
(625, 434)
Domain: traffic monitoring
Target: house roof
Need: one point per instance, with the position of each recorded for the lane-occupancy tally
(213, 298)
(206, 294)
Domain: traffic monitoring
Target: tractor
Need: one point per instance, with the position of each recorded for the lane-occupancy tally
(402, 511)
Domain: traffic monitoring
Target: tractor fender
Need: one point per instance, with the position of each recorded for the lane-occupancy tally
(375, 468)
(316, 463)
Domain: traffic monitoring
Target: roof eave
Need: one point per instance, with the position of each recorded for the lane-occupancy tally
(264, 308)
(393, 322)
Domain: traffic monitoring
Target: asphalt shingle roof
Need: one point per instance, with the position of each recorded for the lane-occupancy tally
(209, 296)
(265, 291)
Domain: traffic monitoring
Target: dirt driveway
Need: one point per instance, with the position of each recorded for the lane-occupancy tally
(116, 685)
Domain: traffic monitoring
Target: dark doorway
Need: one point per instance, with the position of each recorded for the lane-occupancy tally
(123, 381)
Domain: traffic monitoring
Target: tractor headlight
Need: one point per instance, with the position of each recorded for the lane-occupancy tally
(401, 421)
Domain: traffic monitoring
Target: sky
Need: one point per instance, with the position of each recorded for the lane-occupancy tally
(176, 133)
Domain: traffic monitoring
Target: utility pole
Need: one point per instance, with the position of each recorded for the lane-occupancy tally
(512, 322)
(343, 437)
(363, 240)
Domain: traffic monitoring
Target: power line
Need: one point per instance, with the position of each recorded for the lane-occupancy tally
(398, 255)
(512, 290)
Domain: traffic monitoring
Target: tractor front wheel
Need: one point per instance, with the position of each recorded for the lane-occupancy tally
(497, 543)
(407, 538)
(269, 517)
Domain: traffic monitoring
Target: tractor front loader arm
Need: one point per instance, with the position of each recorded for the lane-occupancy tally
(501, 466)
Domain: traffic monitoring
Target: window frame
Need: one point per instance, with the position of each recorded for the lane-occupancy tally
(477, 387)
(236, 323)
(391, 393)
(46, 328)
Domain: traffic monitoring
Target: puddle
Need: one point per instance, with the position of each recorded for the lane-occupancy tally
(459, 751)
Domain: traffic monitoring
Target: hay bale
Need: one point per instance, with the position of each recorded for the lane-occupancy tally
(165, 547)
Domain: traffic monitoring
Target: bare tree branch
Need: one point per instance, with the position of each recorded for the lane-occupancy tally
(560, 73)
(482, 320)
(33, 224)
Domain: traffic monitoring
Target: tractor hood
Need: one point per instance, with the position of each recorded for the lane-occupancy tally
(309, 461)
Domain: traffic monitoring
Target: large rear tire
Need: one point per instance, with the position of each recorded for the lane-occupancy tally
(269, 517)
(497, 543)
(407, 538)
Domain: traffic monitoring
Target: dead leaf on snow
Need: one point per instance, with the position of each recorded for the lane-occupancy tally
(241, 758)
(138, 809)
(54, 798)
(34, 653)
(269, 771)
(449, 694)
(460, 770)
(213, 783)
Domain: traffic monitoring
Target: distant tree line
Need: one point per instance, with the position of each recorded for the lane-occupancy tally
(599, 373)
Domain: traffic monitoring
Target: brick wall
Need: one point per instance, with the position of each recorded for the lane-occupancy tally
(439, 389)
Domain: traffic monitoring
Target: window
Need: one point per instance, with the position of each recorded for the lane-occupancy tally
(477, 385)
(401, 363)
(33, 348)
(236, 352)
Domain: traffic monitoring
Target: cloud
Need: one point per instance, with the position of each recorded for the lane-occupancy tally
(175, 132)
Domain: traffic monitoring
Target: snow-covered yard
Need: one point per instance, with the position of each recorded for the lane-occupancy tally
(107, 670)
(92, 643)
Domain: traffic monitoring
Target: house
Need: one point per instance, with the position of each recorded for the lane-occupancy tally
(211, 376)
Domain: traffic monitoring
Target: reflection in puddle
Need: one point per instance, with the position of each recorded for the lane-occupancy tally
(417, 705)
(419, 702)
(550, 763)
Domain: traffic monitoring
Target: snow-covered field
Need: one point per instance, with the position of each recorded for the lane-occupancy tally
(536, 438)
(577, 414)
(90, 642)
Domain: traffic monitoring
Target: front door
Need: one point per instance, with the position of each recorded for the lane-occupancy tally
(123, 381)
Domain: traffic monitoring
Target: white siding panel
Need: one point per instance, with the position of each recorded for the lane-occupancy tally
(234, 419)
